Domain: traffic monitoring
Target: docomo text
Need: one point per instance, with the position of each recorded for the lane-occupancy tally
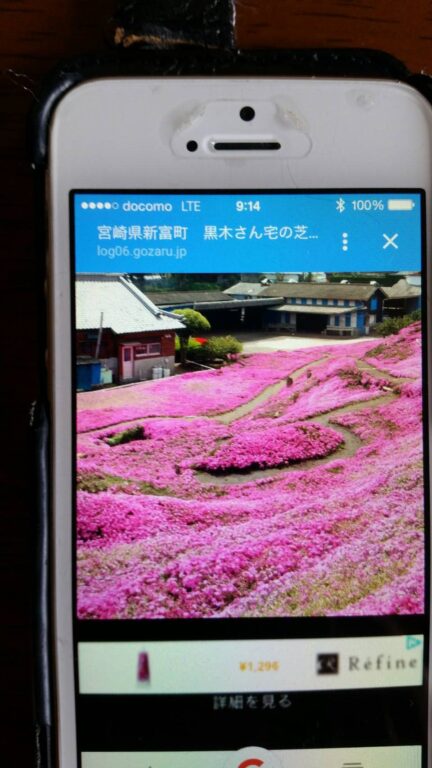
(130, 206)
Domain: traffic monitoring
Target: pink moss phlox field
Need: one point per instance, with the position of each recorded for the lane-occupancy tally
(405, 594)
(163, 458)
(397, 354)
(332, 383)
(191, 394)
(273, 447)
(342, 534)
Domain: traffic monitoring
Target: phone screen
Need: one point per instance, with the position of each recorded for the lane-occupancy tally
(251, 516)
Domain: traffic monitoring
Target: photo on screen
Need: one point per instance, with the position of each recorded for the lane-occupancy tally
(249, 445)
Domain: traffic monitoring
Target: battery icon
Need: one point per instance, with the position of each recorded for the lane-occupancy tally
(400, 205)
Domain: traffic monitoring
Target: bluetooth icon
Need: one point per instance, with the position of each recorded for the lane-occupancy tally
(340, 205)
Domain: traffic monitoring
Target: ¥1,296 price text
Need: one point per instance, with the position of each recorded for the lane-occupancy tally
(259, 666)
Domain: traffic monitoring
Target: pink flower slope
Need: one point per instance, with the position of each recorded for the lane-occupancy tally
(340, 535)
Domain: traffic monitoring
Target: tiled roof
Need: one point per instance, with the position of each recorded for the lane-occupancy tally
(350, 291)
(125, 309)
(250, 289)
(171, 298)
(403, 289)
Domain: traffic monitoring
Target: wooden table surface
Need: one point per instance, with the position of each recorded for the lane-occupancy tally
(34, 35)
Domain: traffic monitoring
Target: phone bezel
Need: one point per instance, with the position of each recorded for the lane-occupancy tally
(59, 184)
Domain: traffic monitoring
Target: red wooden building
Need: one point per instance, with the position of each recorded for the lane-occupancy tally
(121, 328)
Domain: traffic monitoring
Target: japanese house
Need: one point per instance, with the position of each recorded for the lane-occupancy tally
(403, 297)
(223, 311)
(120, 328)
(330, 308)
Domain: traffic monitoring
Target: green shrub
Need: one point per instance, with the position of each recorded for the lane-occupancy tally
(394, 324)
(192, 347)
(216, 348)
(94, 482)
(127, 436)
(414, 316)
(192, 344)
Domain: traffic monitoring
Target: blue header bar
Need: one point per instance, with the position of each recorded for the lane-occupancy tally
(244, 232)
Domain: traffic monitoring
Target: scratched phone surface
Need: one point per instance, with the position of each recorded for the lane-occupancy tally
(250, 474)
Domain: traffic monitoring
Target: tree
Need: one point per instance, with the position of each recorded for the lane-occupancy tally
(306, 277)
(195, 323)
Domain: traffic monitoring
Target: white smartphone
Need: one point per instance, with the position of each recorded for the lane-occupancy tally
(239, 283)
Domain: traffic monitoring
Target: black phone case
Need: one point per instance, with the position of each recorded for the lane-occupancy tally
(191, 55)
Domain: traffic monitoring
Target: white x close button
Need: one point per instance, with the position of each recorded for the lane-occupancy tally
(253, 757)
(390, 241)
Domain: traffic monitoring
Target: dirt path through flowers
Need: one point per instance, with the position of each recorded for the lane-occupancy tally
(242, 410)
(225, 417)
(273, 389)
(351, 442)
(350, 445)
